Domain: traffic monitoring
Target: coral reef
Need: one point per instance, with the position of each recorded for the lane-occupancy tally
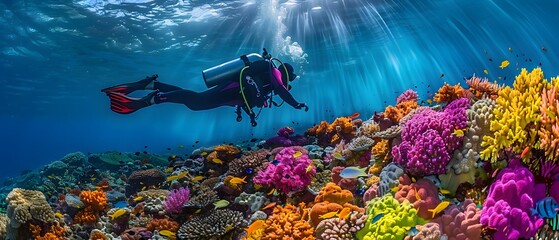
(389, 178)
(26, 205)
(254, 201)
(482, 88)
(217, 224)
(288, 223)
(343, 229)
(448, 93)
(175, 200)
(144, 179)
(248, 162)
(428, 195)
(461, 222)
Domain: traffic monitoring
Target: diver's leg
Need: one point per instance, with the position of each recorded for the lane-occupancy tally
(163, 87)
(212, 98)
(126, 88)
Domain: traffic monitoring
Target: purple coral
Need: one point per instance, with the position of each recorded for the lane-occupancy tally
(285, 138)
(428, 139)
(288, 172)
(508, 203)
(408, 95)
(175, 200)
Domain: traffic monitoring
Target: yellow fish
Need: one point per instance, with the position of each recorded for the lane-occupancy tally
(417, 194)
(485, 71)
(237, 180)
(168, 234)
(328, 215)
(254, 226)
(204, 153)
(297, 154)
(338, 156)
(257, 186)
(221, 203)
(429, 101)
(118, 213)
(344, 213)
(439, 208)
(181, 146)
(394, 189)
(229, 227)
(459, 132)
(444, 191)
(197, 178)
(177, 177)
(504, 64)
(138, 198)
(271, 191)
(59, 215)
(309, 168)
(217, 161)
(168, 170)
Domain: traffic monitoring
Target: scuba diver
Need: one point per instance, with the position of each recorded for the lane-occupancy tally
(247, 82)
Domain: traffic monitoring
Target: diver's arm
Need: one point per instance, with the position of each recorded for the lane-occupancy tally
(280, 89)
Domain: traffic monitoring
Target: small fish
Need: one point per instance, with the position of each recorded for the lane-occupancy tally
(229, 227)
(177, 177)
(485, 71)
(117, 214)
(297, 154)
(495, 173)
(197, 178)
(217, 161)
(546, 208)
(309, 168)
(377, 217)
(544, 49)
(167, 233)
(269, 205)
(258, 224)
(510, 49)
(354, 172)
(271, 191)
(458, 132)
(168, 170)
(485, 52)
(203, 154)
(144, 188)
(444, 191)
(275, 162)
(395, 189)
(504, 64)
(429, 101)
(525, 152)
(413, 231)
(417, 194)
(59, 215)
(237, 180)
(344, 213)
(328, 215)
(181, 146)
(221, 203)
(439, 208)
(355, 115)
(338, 156)
(138, 198)
(442, 75)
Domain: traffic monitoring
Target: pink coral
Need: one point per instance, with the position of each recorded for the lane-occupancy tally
(408, 95)
(288, 172)
(175, 200)
(371, 193)
(428, 195)
(461, 222)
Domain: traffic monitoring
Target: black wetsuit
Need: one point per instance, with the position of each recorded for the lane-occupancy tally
(228, 93)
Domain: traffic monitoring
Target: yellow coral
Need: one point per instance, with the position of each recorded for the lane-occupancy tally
(516, 115)
(381, 150)
(549, 128)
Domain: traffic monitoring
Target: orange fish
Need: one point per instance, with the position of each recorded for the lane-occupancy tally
(525, 152)
(269, 205)
(344, 213)
(237, 180)
(355, 115)
(417, 197)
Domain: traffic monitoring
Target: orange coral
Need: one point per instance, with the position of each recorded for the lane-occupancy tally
(225, 153)
(97, 235)
(381, 150)
(85, 216)
(402, 109)
(448, 93)
(97, 199)
(549, 128)
(343, 128)
(55, 232)
(163, 224)
(288, 223)
(333, 193)
(481, 88)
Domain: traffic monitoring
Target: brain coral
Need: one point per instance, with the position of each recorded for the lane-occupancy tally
(516, 115)
(25, 205)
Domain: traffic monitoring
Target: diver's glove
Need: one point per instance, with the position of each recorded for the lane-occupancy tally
(302, 105)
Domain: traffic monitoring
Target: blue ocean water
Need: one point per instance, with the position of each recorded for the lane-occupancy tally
(352, 56)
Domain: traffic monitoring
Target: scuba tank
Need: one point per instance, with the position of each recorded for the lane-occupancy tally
(228, 71)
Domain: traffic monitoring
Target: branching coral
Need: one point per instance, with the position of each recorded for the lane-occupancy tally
(461, 222)
(408, 95)
(388, 219)
(288, 223)
(516, 115)
(289, 174)
(507, 207)
(369, 128)
(175, 200)
(400, 110)
(97, 199)
(343, 128)
(448, 93)
(381, 150)
(217, 224)
(249, 160)
(482, 88)
(428, 138)
(342, 229)
(360, 143)
(549, 129)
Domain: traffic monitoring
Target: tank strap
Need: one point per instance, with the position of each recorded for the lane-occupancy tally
(245, 60)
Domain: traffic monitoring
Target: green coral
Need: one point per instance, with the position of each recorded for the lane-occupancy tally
(397, 219)
(516, 115)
